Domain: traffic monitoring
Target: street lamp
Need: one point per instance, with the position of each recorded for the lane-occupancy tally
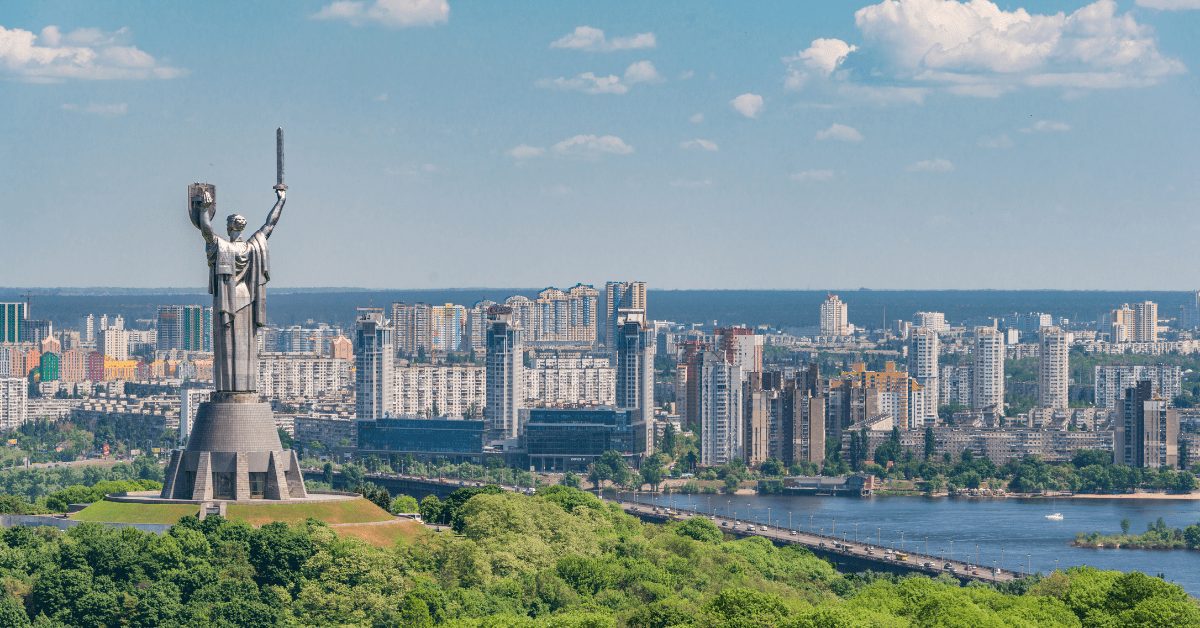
(856, 531)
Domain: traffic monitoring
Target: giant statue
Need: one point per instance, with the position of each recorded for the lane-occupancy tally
(233, 450)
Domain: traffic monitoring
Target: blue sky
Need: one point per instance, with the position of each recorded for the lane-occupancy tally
(910, 144)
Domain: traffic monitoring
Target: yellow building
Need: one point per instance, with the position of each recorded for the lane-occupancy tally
(116, 370)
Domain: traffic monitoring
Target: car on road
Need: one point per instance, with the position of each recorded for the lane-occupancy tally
(724, 524)
(927, 565)
(749, 528)
(948, 567)
(793, 533)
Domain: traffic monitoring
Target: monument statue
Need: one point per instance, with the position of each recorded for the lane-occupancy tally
(234, 451)
(238, 272)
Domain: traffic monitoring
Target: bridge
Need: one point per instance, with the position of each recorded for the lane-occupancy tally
(844, 554)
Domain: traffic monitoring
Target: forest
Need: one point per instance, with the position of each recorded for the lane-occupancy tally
(559, 558)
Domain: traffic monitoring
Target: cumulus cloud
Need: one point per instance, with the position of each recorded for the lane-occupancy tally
(699, 144)
(748, 104)
(592, 83)
(525, 151)
(86, 53)
(821, 58)
(98, 109)
(592, 146)
(1047, 126)
(593, 39)
(691, 184)
(390, 13)
(931, 165)
(1169, 5)
(978, 49)
(840, 133)
(995, 141)
(696, 118)
(805, 176)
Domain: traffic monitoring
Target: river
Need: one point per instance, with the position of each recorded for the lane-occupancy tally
(1010, 533)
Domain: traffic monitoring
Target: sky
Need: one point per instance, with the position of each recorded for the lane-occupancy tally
(915, 144)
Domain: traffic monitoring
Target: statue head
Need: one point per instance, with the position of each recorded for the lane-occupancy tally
(236, 224)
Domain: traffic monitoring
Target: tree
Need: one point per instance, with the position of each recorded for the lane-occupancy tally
(771, 467)
(570, 479)
(669, 440)
(700, 529)
(431, 509)
(327, 473)
(404, 504)
(930, 442)
(277, 553)
(652, 472)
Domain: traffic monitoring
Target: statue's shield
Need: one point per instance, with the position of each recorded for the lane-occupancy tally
(201, 197)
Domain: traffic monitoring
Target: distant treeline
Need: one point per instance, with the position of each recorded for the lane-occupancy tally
(780, 308)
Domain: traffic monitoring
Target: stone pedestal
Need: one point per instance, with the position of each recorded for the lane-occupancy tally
(234, 453)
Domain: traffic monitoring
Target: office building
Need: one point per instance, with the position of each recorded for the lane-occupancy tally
(987, 371)
(924, 347)
(1112, 380)
(1147, 433)
(719, 409)
(620, 295)
(835, 319)
(570, 439)
(450, 440)
(14, 403)
(12, 319)
(373, 360)
(634, 351)
(504, 376)
(1054, 368)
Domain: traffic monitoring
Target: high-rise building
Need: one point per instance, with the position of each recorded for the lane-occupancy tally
(373, 359)
(924, 347)
(562, 317)
(12, 319)
(1147, 431)
(1054, 368)
(505, 364)
(189, 404)
(477, 325)
(413, 330)
(440, 390)
(341, 348)
(720, 410)
(447, 324)
(89, 328)
(113, 343)
(49, 367)
(36, 330)
(987, 370)
(1112, 380)
(183, 327)
(566, 381)
(858, 394)
(634, 351)
(935, 321)
(14, 403)
(835, 319)
(1145, 315)
(619, 295)
(301, 376)
(756, 419)
(1123, 324)
(742, 348)
(73, 367)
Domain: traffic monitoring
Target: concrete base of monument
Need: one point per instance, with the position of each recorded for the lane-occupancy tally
(234, 454)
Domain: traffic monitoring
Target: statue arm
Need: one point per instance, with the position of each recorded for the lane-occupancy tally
(273, 217)
(205, 225)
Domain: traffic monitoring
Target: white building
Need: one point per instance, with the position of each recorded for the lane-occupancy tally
(1054, 368)
(835, 319)
(1112, 380)
(987, 370)
(113, 342)
(923, 349)
(722, 433)
(1145, 319)
(189, 404)
(455, 391)
(14, 403)
(548, 383)
(935, 321)
(505, 377)
(373, 359)
(301, 376)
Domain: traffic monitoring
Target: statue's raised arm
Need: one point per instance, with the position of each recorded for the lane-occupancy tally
(273, 217)
(203, 202)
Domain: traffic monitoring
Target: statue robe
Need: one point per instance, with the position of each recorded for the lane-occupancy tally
(239, 272)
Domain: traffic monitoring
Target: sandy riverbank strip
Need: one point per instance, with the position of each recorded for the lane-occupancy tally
(1179, 496)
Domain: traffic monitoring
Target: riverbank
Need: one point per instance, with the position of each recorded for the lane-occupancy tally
(1166, 496)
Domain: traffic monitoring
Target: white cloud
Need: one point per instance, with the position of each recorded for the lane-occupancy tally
(592, 83)
(995, 141)
(748, 105)
(980, 50)
(391, 13)
(1047, 126)
(840, 133)
(593, 40)
(931, 165)
(691, 184)
(383, 97)
(1169, 5)
(98, 109)
(821, 58)
(700, 144)
(525, 151)
(696, 118)
(805, 176)
(86, 53)
(592, 146)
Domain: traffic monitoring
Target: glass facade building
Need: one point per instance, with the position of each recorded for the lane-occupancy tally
(569, 439)
(456, 439)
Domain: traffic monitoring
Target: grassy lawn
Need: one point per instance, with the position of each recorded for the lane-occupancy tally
(382, 534)
(347, 511)
(119, 512)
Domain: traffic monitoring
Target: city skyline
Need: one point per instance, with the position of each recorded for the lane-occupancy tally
(780, 139)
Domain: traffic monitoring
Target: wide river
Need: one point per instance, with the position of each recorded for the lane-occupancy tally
(1010, 533)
